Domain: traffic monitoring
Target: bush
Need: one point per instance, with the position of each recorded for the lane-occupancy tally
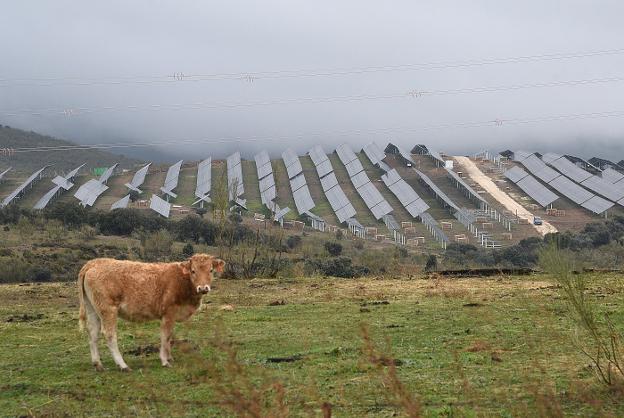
(432, 263)
(156, 245)
(293, 241)
(333, 248)
(40, 274)
(188, 250)
(337, 267)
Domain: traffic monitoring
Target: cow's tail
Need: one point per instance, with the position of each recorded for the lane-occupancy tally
(82, 316)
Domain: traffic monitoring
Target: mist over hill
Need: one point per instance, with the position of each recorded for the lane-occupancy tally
(61, 160)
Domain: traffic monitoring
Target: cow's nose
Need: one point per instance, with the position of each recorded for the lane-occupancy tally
(203, 289)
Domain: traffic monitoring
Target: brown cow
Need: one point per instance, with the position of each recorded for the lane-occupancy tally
(140, 292)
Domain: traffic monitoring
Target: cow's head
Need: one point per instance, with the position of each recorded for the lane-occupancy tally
(201, 269)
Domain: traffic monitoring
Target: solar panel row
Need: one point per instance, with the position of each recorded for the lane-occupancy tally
(376, 156)
(561, 183)
(609, 174)
(4, 172)
(298, 186)
(472, 192)
(20, 189)
(436, 190)
(107, 174)
(437, 232)
(334, 193)
(92, 189)
(121, 203)
(204, 180)
(365, 188)
(171, 180)
(537, 191)
(235, 176)
(60, 183)
(138, 179)
(405, 193)
(43, 202)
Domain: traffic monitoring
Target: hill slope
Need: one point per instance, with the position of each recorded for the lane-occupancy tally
(62, 160)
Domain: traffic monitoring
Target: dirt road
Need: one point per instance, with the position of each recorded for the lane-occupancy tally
(471, 169)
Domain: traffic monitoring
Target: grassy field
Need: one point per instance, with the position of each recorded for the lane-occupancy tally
(462, 347)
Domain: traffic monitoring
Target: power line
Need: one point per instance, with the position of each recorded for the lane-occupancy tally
(300, 73)
(416, 93)
(183, 142)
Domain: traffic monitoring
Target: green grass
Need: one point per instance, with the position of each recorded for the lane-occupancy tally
(468, 347)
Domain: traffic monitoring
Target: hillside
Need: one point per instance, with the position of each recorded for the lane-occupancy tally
(63, 161)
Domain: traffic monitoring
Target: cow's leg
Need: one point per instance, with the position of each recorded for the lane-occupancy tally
(109, 326)
(166, 330)
(94, 325)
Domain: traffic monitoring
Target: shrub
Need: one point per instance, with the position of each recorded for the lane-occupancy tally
(432, 263)
(40, 274)
(293, 241)
(333, 248)
(156, 245)
(188, 250)
(337, 267)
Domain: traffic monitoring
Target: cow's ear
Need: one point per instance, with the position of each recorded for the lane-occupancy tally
(218, 265)
(186, 267)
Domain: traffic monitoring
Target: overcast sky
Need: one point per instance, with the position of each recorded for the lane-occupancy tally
(147, 39)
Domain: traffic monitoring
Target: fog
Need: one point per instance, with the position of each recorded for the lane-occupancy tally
(87, 48)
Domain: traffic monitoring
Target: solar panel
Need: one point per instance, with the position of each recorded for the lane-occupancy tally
(391, 223)
(303, 200)
(340, 204)
(204, 178)
(62, 182)
(297, 182)
(107, 174)
(436, 190)
(520, 156)
(263, 164)
(324, 168)
(121, 203)
(266, 182)
(405, 193)
(374, 153)
(268, 196)
(43, 202)
(359, 179)
(4, 172)
(22, 186)
(90, 191)
(536, 190)
(281, 213)
(609, 174)
(604, 188)
(570, 170)
(354, 167)
(345, 213)
(571, 190)
(381, 209)
(160, 206)
(329, 181)
(406, 155)
(370, 195)
(317, 154)
(550, 157)
(436, 156)
(138, 179)
(597, 204)
(428, 220)
(345, 153)
(539, 169)
(171, 180)
(515, 174)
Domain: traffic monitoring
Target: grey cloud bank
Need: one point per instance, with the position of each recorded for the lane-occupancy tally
(65, 39)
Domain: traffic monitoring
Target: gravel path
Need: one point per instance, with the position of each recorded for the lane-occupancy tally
(471, 169)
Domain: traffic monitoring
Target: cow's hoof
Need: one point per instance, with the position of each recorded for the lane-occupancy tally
(126, 369)
(166, 364)
(98, 367)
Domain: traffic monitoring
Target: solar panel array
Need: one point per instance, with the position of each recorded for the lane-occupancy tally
(171, 180)
(436, 190)
(22, 186)
(365, 188)
(121, 203)
(405, 193)
(266, 180)
(160, 206)
(536, 190)
(597, 184)
(61, 183)
(334, 193)
(561, 183)
(204, 180)
(235, 176)
(434, 227)
(138, 179)
(406, 155)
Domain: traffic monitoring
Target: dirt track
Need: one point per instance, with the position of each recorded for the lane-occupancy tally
(503, 198)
